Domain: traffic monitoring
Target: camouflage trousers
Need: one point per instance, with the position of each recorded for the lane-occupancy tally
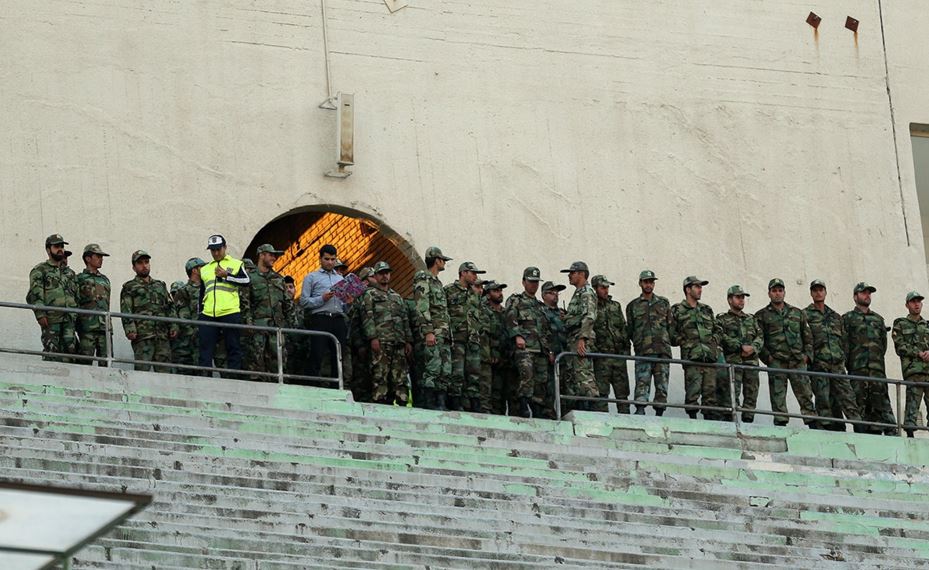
(644, 372)
(155, 349)
(93, 343)
(531, 375)
(437, 365)
(834, 397)
(297, 349)
(389, 375)
(581, 381)
(486, 386)
(611, 372)
(359, 380)
(184, 350)
(746, 385)
(465, 379)
(799, 383)
(59, 337)
(502, 379)
(873, 401)
(914, 397)
(700, 388)
(260, 348)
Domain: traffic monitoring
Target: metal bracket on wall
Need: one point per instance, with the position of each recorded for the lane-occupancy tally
(344, 135)
(394, 5)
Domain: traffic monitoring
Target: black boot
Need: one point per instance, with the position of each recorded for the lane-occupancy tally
(454, 403)
(440, 401)
(910, 433)
(525, 410)
(476, 405)
(659, 411)
(640, 411)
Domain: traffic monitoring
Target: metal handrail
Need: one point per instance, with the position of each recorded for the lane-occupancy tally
(733, 408)
(111, 358)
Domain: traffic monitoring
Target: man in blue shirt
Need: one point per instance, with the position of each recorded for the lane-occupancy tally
(324, 312)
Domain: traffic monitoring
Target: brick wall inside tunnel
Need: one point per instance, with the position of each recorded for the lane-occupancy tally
(359, 241)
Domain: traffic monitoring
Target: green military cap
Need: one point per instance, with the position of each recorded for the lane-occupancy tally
(549, 286)
(365, 273)
(601, 280)
(139, 254)
(576, 266)
(436, 252)
(68, 253)
(469, 266)
(694, 280)
(55, 239)
(646, 275)
(737, 290)
(175, 286)
(339, 263)
(490, 285)
(913, 295)
(268, 248)
(381, 266)
(532, 274)
(94, 248)
(817, 283)
(249, 264)
(864, 286)
(193, 263)
(479, 282)
(776, 282)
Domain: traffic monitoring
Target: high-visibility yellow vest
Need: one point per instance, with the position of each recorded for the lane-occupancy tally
(219, 297)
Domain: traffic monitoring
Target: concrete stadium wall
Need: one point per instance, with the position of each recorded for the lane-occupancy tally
(721, 138)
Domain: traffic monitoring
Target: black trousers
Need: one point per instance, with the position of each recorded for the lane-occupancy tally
(320, 346)
(210, 335)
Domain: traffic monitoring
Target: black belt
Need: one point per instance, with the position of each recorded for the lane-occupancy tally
(329, 315)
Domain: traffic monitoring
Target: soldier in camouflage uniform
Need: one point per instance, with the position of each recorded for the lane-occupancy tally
(579, 328)
(788, 343)
(693, 328)
(417, 358)
(911, 342)
(834, 397)
(53, 284)
(866, 345)
(93, 293)
(648, 317)
(433, 322)
(146, 296)
(297, 344)
(356, 361)
(612, 338)
(184, 347)
(493, 349)
(386, 329)
(741, 341)
(557, 341)
(466, 353)
(269, 306)
(527, 329)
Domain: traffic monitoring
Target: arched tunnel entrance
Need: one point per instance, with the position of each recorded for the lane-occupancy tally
(360, 240)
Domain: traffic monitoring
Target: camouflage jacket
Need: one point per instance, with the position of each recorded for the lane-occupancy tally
(187, 306)
(558, 339)
(787, 335)
(412, 316)
(431, 305)
(354, 318)
(494, 337)
(610, 327)
(462, 306)
(268, 302)
(735, 330)
(581, 316)
(694, 330)
(93, 293)
(865, 342)
(146, 297)
(828, 331)
(911, 336)
(384, 316)
(649, 323)
(52, 285)
(525, 317)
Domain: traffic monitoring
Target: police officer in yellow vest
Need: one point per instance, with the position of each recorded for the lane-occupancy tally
(219, 299)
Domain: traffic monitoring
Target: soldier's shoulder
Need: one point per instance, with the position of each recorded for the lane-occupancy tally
(901, 321)
(422, 275)
(131, 284)
(40, 268)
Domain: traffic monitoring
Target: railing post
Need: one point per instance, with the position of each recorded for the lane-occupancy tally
(734, 399)
(900, 410)
(108, 326)
(280, 355)
(557, 388)
(338, 359)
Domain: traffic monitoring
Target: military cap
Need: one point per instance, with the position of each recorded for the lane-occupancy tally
(576, 266)
(737, 290)
(94, 248)
(599, 280)
(249, 264)
(193, 263)
(268, 248)
(646, 275)
(776, 282)
(817, 283)
(479, 282)
(68, 253)
(215, 241)
(55, 239)
(437, 253)
(490, 285)
(175, 286)
(694, 280)
(365, 273)
(549, 286)
(913, 295)
(469, 266)
(532, 274)
(139, 254)
(381, 266)
(339, 263)
(864, 286)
